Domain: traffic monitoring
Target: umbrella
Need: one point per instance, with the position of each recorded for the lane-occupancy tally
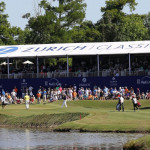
(28, 62)
(4, 63)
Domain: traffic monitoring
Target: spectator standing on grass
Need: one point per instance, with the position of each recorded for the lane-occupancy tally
(13, 95)
(16, 90)
(27, 100)
(23, 90)
(86, 93)
(105, 90)
(48, 93)
(38, 97)
(134, 100)
(138, 93)
(3, 92)
(4, 103)
(101, 95)
(74, 94)
(70, 93)
(64, 97)
(121, 101)
(30, 88)
(98, 92)
(44, 95)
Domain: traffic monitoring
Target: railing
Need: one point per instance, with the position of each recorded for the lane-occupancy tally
(104, 73)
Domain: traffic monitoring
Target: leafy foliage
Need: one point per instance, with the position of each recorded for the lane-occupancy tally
(86, 32)
(9, 35)
(118, 26)
(55, 24)
(62, 21)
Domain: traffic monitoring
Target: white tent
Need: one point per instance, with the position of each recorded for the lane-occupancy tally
(75, 49)
(101, 48)
(28, 62)
(5, 63)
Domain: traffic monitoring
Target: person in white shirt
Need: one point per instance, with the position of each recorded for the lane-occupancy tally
(13, 94)
(121, 101)
(134, 100)
(70, 93)
(64, 97)
(4, 103)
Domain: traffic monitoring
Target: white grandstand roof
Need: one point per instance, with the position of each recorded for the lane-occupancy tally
(74, 49)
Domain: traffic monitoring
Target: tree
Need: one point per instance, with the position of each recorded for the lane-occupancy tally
(116, 25)
(9, 35)
(147, 24)
(86, 32)
(4, 25)
(55, 24)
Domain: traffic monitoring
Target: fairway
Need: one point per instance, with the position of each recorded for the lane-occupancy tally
(83, 115)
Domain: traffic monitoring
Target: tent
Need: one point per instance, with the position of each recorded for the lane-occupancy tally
(28, 62)
(75, 49)
(72, 49)
(4, 63)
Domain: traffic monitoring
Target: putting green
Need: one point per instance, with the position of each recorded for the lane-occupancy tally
(85, 115)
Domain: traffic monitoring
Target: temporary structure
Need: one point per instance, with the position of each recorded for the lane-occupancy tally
(4, 63)
(28, 62)
(75, 49)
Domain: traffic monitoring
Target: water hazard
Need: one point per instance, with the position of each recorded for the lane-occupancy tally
(28, 139)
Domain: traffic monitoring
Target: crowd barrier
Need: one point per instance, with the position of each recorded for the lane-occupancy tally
(142, 82)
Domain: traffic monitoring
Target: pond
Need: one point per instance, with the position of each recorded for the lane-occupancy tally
(32, 139)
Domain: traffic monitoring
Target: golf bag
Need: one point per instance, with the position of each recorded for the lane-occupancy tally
(118, 107)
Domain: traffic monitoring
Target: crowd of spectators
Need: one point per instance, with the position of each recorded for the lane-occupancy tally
(139, 66)
(72, 93)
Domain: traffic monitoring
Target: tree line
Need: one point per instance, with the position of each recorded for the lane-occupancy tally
(64, 22)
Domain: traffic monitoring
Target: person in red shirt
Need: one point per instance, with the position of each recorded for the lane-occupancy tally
(38, 97)
(15, 89)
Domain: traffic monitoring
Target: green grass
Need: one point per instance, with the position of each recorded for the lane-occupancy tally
(96, 116)
(142, 143)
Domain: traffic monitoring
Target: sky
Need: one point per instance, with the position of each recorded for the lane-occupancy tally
(17, 8)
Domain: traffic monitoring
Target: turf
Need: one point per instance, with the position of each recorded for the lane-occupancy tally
(142, 143)
(85, 115)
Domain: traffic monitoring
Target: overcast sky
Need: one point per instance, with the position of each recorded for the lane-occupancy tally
(17, 8)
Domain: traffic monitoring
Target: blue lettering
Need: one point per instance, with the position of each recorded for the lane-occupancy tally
(44, 48)
(109, 47)
(81, 48)
(92, 47)
(139, 46)
(66, 48)
(121, 46)
(103, 47)
(8, 50)
(37, 49)
(130, 46)
(28, 50)
(59, 48)
(51, 49)
(146, 46)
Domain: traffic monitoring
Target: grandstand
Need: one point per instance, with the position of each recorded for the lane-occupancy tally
(106, 63)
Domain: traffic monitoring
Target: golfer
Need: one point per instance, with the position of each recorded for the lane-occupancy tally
(134, 101)
(4, 103)
(27, 99)
(64, 97)
(121, 100)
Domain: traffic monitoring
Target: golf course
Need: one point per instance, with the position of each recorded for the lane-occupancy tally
(80, 115)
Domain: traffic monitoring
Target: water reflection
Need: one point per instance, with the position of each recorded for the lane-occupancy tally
(26, 139)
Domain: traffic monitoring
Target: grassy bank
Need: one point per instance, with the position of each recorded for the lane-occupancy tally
(96, 116)
(139, 144)
(39, 121)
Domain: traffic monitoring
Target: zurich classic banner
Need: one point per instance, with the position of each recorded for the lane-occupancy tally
(64, 49)
(142, 82)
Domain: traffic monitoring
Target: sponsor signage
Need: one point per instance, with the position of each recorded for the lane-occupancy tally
(75, 48)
